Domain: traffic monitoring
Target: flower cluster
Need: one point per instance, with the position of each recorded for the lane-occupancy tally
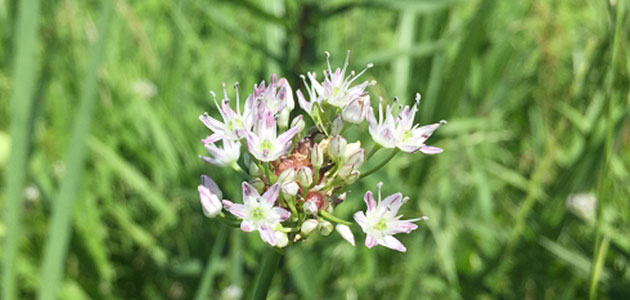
(296, 176)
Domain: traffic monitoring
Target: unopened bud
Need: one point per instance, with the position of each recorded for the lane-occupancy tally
(305, 176)
(290, 189)
(281, 239)
(310, 208)
(353, 177)
(357, 158)
(345, 171)
(337, 126)
(345, 233)
(337, 146)
(258, 184)
(299, 123)
(253, 169)
(283, 119)
(317, 157)
(356, 110)
(325, 227)
(287, 175)
(308, 226)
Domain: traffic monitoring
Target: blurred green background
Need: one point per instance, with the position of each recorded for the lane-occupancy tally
(99, 140)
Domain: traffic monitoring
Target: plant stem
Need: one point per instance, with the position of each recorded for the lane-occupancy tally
(375, 148)
(333, 218)
(265, 274)
(384, 162)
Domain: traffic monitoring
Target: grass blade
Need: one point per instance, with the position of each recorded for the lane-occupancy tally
(21, 102)
(59, 230)
(211, 267)
(402, 65)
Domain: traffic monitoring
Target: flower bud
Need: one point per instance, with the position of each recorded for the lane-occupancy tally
(283, 119)
(281, 239)
(337, 126)
(299, 123)
(305, 176)
(253, 169)
(310, 207)
(345, 171)
(317, 157)
(308, 226)
(325, 227)
(337, 146)
(357, 158)
(353, 177)
(356, 110)
(290, 189)
(345, 233)
(258, 184)
(287, 175)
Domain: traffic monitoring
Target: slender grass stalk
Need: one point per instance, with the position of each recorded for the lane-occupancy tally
(597, 267)
(208, 275)
(265, 274)
(402, 64)
(59, 230)
(21, 101)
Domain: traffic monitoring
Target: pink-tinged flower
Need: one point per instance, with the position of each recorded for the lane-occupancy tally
(263, 141)
(210, 196)
(277, 97)
(334, 90)
(345, 233)
(380, 222)
(223, 156)
(234, 123)
(258, 212)
(398, 130)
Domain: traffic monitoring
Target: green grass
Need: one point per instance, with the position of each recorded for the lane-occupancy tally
(536, 95)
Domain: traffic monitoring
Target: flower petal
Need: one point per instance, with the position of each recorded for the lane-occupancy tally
(405, 226)
(267, 235)
(369, 201)
(361, 219)
(282, 213)
(249, 192)
(430, 150)
(392, 243)
(271, 194)
(370, 241)
(235, 208)
(247, 226)
(345, 233)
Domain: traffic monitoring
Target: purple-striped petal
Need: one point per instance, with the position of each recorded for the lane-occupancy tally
(234, 208)
(210, 204)
(249, 192)
(267, 235)
(370, 241)
(271, 194)
(430, 150)
(282, 213)
(361, 219)
(247, 226)
(369, 201)
(403, 227)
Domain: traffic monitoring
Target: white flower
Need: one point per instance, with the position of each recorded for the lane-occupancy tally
(210, 196)
(258, 212)
(224, 156)
(263, 141)
(234, 123)
(399, 131)
(277, 98)
(380, 222)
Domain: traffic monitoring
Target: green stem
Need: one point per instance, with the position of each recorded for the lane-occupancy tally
(331, 217)
(383, 163)
(265, 274)
(375, 148)
(240, 170)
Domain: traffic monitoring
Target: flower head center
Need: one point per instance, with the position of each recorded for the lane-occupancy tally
(380, 225)
(258, 214)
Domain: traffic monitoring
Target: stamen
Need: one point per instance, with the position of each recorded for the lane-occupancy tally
(345, 64)
(418, 97)
(442, 122)
(224, 91)
(367, 67)
(238, 103)
(328, 63)
(379, 185)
